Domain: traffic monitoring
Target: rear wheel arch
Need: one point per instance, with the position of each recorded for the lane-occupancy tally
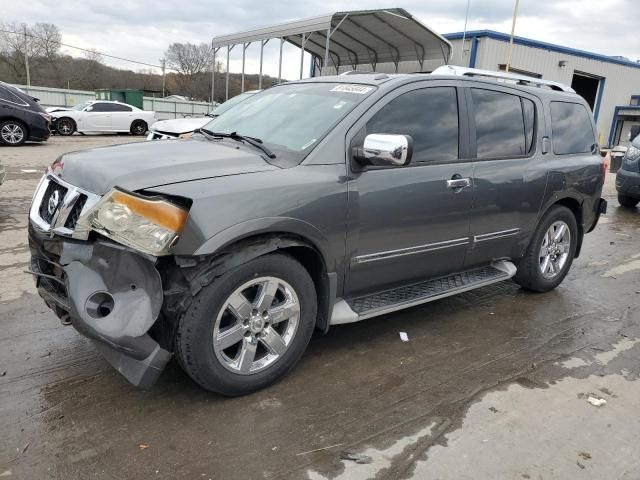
(135, 123)
(19, 121)
(576, 208)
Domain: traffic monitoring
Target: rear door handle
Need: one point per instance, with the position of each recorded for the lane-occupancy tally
(458, 183)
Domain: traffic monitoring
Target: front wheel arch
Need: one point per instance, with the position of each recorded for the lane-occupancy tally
(251, 247)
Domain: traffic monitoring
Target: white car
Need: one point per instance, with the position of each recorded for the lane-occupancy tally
(167, 129)
(101, 116)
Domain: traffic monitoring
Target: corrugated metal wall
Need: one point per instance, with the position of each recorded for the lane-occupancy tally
(165, 109)
(620, 81)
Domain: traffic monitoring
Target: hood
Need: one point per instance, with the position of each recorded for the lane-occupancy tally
(56, 109)
(180, 125)
(144, 165)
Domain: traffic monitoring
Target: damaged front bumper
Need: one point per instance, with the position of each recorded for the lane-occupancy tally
(109, 293)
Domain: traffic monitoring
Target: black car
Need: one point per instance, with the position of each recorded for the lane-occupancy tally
(21, 117)
(628, 177)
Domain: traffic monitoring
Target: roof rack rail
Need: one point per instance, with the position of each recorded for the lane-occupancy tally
(357, 72)
(518, 79)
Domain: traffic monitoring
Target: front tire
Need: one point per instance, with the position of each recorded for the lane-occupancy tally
(627, 202)
(550, 253)
(13, 133)
(249, 327)
(65, 126)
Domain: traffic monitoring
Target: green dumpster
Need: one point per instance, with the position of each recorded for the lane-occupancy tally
(124, 95)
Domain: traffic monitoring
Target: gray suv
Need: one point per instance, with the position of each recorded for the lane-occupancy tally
(311, 204)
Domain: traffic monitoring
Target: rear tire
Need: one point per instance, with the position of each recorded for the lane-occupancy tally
(547, 261)
(66, 126)
(233, 341)
(138, 127)
(13, 133)
(628, 202)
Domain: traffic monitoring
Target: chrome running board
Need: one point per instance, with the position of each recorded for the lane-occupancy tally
(387, 301)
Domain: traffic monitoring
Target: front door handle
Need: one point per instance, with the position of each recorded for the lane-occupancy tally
(457, 183)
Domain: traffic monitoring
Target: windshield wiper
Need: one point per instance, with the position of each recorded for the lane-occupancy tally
(255, 142)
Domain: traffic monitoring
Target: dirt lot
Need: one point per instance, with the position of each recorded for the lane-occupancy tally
(492, 384)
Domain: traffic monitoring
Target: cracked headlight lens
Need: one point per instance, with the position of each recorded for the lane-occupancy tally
(150, 225)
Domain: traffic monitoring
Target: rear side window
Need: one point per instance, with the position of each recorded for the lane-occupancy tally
(119, 108)
(429, 115)
(7, 96)
(571, 128)
(501, 129)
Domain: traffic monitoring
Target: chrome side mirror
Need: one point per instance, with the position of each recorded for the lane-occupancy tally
(384, 149)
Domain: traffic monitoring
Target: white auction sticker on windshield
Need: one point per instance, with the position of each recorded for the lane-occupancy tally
(350, 88)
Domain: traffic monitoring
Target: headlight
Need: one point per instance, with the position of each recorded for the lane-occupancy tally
(150, 225)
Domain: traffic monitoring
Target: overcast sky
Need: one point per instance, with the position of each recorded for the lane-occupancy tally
(142, 29)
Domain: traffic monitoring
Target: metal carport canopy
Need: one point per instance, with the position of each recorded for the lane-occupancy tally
(352, 38)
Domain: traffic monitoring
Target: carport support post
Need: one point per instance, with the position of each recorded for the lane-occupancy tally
(302, 43)
(164, 62)
(280, 61)
(262, 44)
(226, 95)
(213, 78)
(326, 50)
(244, 51)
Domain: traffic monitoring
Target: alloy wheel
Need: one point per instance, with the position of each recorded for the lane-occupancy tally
(555, 248)
(12, 133)
(256, 325)
(65, 127)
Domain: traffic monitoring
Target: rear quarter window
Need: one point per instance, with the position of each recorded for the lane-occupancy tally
(571, 128)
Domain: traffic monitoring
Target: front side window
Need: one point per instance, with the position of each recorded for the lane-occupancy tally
(101, 107)
(429, 116)
(571, 128)
(500, 125)
(291, 119)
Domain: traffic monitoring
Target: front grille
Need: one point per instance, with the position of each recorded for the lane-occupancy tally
(47, 211)
(75, 212)
(57, 207)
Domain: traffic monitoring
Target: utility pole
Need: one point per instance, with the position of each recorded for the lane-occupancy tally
(26, 56)
(513, 29)
(164, 61)
(464, 34)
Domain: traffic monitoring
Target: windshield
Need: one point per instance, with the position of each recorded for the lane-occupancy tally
(81, 106)
(223, 107)
(291, 119)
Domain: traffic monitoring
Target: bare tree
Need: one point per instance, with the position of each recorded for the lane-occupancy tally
(190, 61)
(39, 41)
